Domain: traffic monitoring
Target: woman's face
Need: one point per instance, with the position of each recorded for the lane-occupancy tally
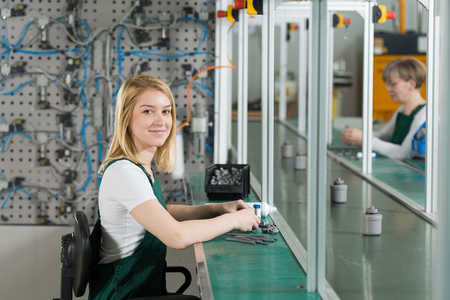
(151, 121)
(398, 88)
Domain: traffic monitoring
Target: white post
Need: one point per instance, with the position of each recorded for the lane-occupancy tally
(243, 87)
(317, 146)
(222, 89)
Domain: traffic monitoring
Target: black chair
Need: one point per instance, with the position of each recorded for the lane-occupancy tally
(76, 260)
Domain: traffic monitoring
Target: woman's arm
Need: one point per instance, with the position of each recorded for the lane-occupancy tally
(387, 131)
(404, 150)
(179, 235)
(354, 136)
(190, 212)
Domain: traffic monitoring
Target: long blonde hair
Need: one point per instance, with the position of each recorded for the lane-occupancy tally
(122, 145)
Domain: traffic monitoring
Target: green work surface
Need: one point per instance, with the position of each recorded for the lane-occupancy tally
(407, 181)
(395, 265)
(245, 271)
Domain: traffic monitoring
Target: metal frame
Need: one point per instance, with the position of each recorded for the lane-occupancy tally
(316, 170)
(222, 90)
(283, 72)
(242, 140)
(297, 12)
(302, 77)
(443, 274)
(431, 161)
(365, 10)
(267, 101)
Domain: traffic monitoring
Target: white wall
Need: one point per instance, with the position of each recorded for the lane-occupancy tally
(30, 263)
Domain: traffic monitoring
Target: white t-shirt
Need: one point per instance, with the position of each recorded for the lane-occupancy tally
(124, 186)
(381, 142)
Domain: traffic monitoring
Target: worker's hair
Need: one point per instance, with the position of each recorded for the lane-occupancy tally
(407, 68)
(122, 145)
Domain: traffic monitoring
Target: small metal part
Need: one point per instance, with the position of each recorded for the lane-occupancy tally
(300, 161)
(338, 191)
(287, 150)
(233, 239)
(261, 238)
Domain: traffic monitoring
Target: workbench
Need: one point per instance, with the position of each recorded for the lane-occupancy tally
(233, 270)
(395, 265)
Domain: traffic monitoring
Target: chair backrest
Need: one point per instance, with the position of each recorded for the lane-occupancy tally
(75, 258)
(82, 261)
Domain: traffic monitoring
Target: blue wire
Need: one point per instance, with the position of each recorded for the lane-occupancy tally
(10, 193)
(3, 118)
(100, 154)
(5, 52)
(172, 47)
(11, 133)
(88, 157)
(119, 50)
(25, 192)
(4, 35)
(86, 26)
(48, 52)
(1, 174)
(23, 35)
(204, 32)
(197, 84)
(3, 83)
(208, 147)
(178, 195)
(207, 63)
(7, 197)
(204, 4)
(18, 88)
(83, 94)
(86, 61)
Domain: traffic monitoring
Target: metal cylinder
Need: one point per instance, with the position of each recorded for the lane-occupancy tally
(338, 191)
(287, 150)
(300, 162)
(371, 222)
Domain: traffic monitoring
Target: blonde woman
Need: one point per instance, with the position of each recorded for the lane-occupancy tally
(135, 225)
(404, 78)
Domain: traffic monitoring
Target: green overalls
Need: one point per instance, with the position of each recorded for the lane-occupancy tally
(403, 124)
(139, 275)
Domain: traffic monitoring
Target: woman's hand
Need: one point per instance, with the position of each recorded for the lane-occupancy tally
(351, 136)
(231, 206)
(245, 219)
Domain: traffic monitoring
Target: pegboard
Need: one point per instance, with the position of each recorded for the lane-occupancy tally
(61, 65)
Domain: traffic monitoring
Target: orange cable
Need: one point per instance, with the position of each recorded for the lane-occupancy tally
(231, 27)
(190, 84)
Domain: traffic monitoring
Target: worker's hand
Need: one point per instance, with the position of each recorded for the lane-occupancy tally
(351, 136)
(231, 206)
(245, 219)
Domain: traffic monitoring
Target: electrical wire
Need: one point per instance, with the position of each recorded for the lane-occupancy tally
(12, 191)
(100, 156)
(18, 88)
(206, 2)
(11, 134)
(204, 88)
(190, 85)
(88, 157)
